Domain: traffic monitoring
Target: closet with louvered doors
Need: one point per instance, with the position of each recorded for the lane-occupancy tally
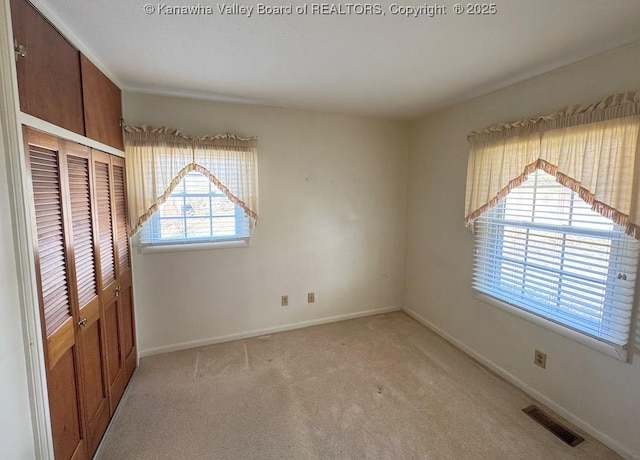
(68, 289)
(115, 272)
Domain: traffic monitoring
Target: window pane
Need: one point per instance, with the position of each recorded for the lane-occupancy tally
(172, 228)
(173, 207)
(542, 249)
(197, 211)
(198, 227)
(198, 206)
(196, 183)
(519, 204)
(223, 207)
(224, 226)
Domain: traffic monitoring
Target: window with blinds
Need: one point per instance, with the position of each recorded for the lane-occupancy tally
(195, 212)
(542, 249)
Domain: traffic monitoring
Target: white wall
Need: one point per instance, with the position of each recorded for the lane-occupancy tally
(599, 390)
(16, 435)
(332, 220)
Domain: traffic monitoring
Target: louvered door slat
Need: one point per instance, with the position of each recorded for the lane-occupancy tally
(48, 218)
(50, 244)
(50, 263)
(122, 236)
(49, 236)
(51, 283)
(85, 260)
(105, 222)
(50, 233)
(78, 173)
(56, 318)
(47, 209)
(83, 239)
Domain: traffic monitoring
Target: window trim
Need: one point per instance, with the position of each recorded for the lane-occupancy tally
(620, 353)
(184, 247)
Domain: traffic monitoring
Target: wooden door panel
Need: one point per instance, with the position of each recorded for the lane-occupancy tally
(51, 242)
(120, 211)
(102, 184)
(102, 105)
(115, 267)
(128, 331)
(64, 403)
(49, 75)
(51, 262)
(127, 324)
(91, 337)
(112, 332)
(95, 390)
(60, 342)
(78, 167)
(115, 358)
(96, 405)
(91, 354)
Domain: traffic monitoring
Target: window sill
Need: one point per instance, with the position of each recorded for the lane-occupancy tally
(180, 247)
(609, 350)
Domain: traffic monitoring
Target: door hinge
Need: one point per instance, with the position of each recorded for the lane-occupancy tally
(20, 50)
(121, 122)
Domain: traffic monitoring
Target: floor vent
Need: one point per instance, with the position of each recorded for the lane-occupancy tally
(550, 424)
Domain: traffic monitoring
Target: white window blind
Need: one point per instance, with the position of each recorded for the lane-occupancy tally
(195, 212)
(542, 249)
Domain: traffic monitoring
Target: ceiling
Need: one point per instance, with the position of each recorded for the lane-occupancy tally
(385, 65)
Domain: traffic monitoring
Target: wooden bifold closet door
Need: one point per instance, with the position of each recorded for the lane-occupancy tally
(87, 337)
(115, 272)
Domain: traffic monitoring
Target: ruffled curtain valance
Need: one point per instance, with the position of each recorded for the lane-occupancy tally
(590, 149)
(159, 158)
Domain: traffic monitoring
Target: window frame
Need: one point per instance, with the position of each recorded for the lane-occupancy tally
(619, 352)
(195, 243)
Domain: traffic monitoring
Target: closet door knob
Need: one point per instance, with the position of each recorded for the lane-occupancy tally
(118, 289)
(82, 322)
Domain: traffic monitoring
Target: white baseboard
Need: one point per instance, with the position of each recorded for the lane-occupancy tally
(268, 330)
(561, 411)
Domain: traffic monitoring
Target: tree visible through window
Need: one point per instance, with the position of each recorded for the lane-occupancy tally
(196, 211)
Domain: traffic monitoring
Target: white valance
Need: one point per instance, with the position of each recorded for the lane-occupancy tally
(158, 159)
(591, 149)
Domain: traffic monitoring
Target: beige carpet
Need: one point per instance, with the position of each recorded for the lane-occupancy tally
(382, 387)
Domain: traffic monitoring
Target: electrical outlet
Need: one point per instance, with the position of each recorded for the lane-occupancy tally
(540, 359)
(285, 300)
(311, 297)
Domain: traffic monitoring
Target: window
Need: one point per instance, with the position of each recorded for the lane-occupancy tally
(542, 249)
(195, 212)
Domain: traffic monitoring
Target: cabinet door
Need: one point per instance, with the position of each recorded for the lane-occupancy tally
(102, 106)
(58, 312)
(91, 330)
(49, 83)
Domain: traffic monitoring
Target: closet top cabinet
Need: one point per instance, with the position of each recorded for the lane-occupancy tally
(58, 84)
(48, 68)
(102, 105)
